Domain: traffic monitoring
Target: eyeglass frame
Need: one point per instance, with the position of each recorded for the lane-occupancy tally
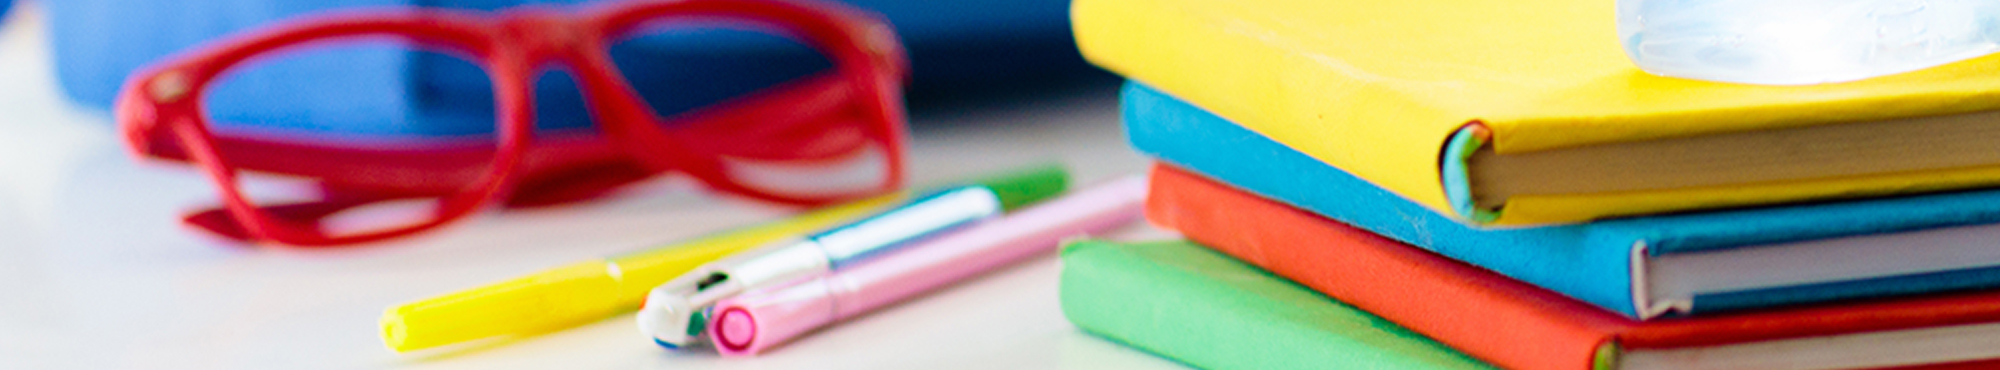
(161, 114)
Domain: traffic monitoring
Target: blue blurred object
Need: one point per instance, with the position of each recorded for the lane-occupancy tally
(382, 90)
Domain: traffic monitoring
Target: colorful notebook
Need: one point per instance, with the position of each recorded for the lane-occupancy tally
(1224, 314)
(1642, 267)
(1518, 326)
(1499, 113)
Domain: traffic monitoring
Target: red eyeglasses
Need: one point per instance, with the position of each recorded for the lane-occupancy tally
(779, 144)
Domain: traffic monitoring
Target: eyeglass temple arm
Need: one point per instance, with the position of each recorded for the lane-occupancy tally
(220, 222)
(416, 167)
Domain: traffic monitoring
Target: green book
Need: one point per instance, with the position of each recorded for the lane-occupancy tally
(1188, 303)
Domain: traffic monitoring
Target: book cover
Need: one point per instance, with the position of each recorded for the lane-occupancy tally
(1224, 314)
(1518, 326)
(1618, 264)
(1409, 95)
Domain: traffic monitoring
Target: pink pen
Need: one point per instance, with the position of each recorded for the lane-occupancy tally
(753, 322)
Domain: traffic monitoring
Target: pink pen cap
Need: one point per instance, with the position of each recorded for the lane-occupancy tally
(755, 321)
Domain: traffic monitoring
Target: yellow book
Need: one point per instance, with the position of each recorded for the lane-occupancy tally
(1511, 113)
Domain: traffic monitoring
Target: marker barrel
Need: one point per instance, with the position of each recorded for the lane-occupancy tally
(758, 320)
(586, 291)
(674, 313)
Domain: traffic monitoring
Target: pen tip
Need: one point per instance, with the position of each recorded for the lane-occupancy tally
(735, 329)
(394, 333)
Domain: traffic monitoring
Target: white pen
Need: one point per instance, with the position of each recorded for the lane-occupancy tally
(675, 313)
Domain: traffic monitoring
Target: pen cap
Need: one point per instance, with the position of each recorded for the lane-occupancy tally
(1026, 186)
(750, 323)
(671, 313)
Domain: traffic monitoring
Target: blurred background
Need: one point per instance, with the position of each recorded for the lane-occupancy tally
(956, 49)
(98, 272)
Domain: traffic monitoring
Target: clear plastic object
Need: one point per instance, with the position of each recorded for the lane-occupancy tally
(1797, 42)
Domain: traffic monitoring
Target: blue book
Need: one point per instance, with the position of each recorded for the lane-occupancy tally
(1645, 267)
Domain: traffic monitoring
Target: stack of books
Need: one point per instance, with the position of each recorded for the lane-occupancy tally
(1482, 184)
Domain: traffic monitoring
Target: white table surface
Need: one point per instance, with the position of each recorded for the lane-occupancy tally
(96, 272)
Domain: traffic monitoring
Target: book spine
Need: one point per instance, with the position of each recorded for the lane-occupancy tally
(1252, 68)
(1488, 316)
(1586, 261)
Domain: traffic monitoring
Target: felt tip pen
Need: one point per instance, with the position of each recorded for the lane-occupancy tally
(588, 291)
(675, 313)
(755, 321)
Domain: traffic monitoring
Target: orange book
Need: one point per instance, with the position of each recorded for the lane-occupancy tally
(1518, 326)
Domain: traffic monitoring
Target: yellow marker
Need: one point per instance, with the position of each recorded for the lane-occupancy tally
(584, 292)
(587, 291)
